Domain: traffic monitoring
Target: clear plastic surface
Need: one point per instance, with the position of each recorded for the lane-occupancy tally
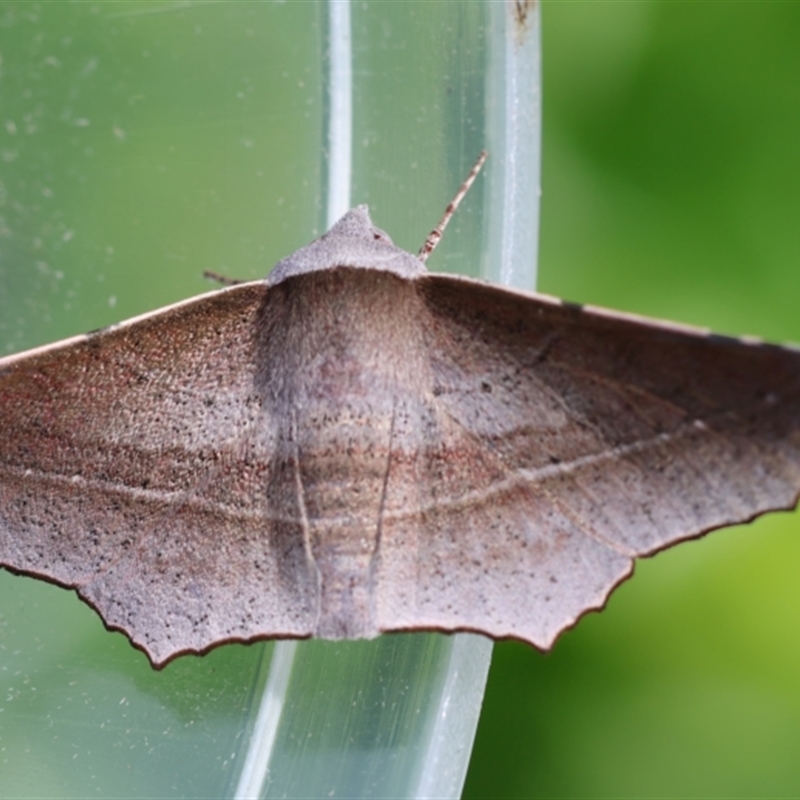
(514, 124)
(145, 142)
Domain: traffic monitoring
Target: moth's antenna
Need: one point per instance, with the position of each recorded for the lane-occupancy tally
(223, 279)
(436, 234)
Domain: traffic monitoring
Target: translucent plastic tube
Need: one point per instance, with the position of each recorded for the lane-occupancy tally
(185, 136)
(397, 717)
(514, 122)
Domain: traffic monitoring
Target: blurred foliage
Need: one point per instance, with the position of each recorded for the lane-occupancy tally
(671, 187)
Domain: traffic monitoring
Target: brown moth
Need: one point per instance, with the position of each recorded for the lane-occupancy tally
(356, 445)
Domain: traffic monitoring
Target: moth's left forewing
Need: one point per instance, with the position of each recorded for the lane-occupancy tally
(575, 440)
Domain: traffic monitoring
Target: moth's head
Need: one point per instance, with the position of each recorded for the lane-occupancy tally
(352, 242)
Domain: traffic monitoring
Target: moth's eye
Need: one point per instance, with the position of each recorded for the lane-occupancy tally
(377, 236)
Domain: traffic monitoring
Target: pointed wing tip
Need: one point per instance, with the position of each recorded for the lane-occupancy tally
(788, 507)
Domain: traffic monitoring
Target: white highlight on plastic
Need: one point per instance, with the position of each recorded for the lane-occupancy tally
(340, 153)
(447, 755)
(340, 117)
(262, 740)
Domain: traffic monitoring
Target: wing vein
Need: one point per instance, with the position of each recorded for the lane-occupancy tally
(373, 562)
(301, 505)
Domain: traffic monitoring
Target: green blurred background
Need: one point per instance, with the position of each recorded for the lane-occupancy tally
(142, 142)
(671, 187)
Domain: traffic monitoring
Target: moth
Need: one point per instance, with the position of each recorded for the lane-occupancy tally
(356, 445)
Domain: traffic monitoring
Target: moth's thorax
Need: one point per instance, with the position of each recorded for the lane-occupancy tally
(348, 364)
